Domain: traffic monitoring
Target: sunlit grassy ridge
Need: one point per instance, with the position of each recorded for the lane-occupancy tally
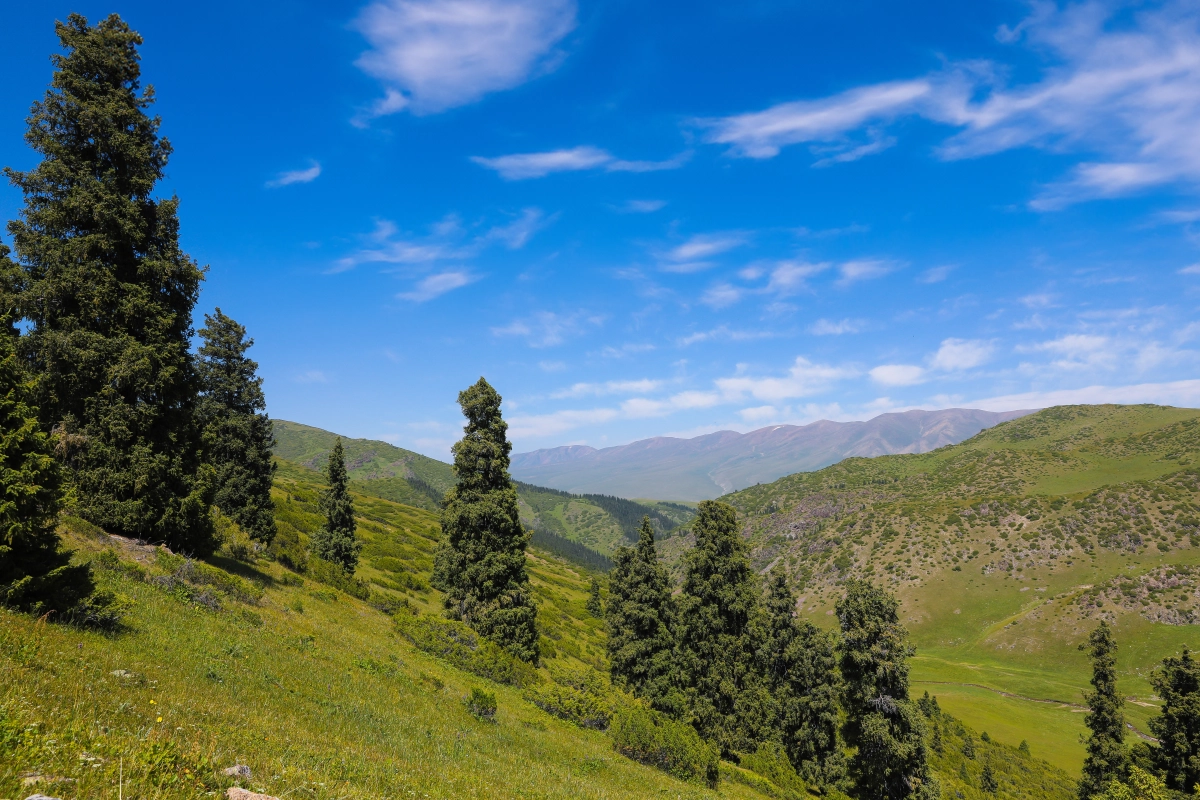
(321, 694)
(1006, 550)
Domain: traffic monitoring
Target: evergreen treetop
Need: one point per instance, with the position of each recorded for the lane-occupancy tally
(1177, 683)
(238, 434)
(1107, 759)
(480, 564)
(639, 620)
(108, 294)
(335, 541)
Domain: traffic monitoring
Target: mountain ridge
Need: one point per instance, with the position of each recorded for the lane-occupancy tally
(707, 466)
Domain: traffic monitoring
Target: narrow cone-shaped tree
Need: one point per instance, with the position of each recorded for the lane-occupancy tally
(716, 652)
(1177, 682)
(237, 431)
(35, 572)
(800, 665)
(480, 564)
(639, 618)
(1107, 758)
(335, 541)
(108, 295)
(886, 727)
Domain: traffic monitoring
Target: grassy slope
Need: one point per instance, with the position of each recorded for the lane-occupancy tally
(315, 690)
(1075, 498)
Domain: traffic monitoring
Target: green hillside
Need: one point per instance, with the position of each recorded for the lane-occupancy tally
(1006, 550)
(325, 693)
(598, 523)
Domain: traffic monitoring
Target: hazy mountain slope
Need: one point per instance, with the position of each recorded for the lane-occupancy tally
(1006, 550)
(708, 466)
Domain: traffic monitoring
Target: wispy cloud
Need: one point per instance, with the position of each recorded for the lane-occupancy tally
(825, 327)
(312, 376)
(437, 285)
(960, 354)
(522, 166)
(642, 386)
(936, 274)
(897, 374)
(306, 175)
(723, 333)
(803, 379)
(547, 329)
(1193, 269)
(1125, 88)
(864, 270)
(1184, 393)
(643, 206)
(431, 55)
(518, 232)
(693, 255)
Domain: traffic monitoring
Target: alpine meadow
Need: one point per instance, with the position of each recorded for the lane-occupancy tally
(910, 596)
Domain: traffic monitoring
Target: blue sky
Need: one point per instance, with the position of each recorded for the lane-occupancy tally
(649, 218)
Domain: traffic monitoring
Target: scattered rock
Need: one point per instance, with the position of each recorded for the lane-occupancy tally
(235, 793)
(123, 673)
(44, 797)
(238, 771)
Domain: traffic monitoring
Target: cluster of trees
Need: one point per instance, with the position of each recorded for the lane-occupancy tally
(103, 404)
(730, 656)
(1114, 771)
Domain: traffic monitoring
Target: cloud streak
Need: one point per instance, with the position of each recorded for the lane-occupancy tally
(306, 175)
(523, 166)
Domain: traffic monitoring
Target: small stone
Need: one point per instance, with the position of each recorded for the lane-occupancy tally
(238, 771)
(122, 673)
(40, 797)
(235, 793)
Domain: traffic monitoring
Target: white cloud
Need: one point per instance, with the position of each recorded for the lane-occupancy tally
(312, 376)
(790, 277)
(692, 255)
(643, 206)
(959, 354)
(1193, 269)
(1176, 393)
(521, 166)
(551, 366)
(759, 414)
(802, 380)
(721, 295)
(1121, 83)
(1079, 350)
(824, 327)
(447, 241)
(897, 374)
(437, 285)
(519, 231)
(863, 270)
(723, 333)
(432, 55)
(546, 328)
(538, 425)
(628, 349)
(306, 175)
(936, 274)
(608, 387)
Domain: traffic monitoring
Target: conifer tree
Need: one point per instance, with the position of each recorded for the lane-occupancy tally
(35, 572)
(108, 294)
(639, 618)
(881, 721)
(335, 542)
(237, 431)
(1177, 683)
(801, 671)
(1107, 759)
(718, 610)
(480, 564)
(595, 605)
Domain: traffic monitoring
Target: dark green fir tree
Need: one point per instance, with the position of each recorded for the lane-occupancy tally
(237, 431)
(1107, 759)
(639, 618)
(885, 726)
(480, 564)
(800, 665)
(595, 605)
(335, 541)
(1177, 683)
(719, 609)
(108, 295)
(35, 572)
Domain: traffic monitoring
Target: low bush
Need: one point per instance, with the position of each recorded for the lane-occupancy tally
(581, 696)
(457, 644)
(333, 575)
(653, 739)
(771, 762)
(481, 704)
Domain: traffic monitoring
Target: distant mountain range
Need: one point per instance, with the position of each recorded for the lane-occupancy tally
(667, 468)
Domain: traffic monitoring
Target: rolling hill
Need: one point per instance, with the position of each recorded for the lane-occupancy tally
(1006, 550)
(708, 466)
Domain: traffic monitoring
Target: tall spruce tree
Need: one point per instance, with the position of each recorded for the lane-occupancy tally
(237, 431)
(800, 665)
(639, 618)
(1107, 759)
(35, 572)
(108, 294)
(335, 541)
(718, 611)
(1177, 727)
(884, 725)
(480, 564)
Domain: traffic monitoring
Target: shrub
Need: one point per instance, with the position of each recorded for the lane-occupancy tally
(333, 575)
(579, 696)
(651, 738)
(463, 648)
(771, 762)
(482, 704)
